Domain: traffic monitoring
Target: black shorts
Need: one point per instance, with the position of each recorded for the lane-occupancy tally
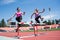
(37, 19)
(19, 19)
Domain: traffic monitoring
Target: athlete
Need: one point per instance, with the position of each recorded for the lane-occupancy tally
(18, 15)
(37, 16)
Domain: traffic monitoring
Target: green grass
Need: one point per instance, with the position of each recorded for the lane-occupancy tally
(27, 31)
(52, 29)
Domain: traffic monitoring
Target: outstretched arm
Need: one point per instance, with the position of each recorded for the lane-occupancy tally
(42, 11)
(11, 17)
(23, 13)
(32, 15)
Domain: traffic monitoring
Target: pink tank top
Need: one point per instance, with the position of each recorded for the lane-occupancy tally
(18, 14)
(36, 15)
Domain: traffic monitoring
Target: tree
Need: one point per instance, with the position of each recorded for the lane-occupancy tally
(53, 22)
(2, 23)
(49, 22)
(57, 21)
(45, 22)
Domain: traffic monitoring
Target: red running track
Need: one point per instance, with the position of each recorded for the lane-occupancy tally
(48, 35)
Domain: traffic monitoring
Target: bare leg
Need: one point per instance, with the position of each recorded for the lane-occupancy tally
(35, 30)
(41, 18)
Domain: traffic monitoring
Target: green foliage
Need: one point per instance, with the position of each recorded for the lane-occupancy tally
(53, 22)
(2, 23)
(57, 21)
(45, 22)
(49, 22)
(24, 25)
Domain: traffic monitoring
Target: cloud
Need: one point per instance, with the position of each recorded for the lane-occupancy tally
(7, 1)
(49, 16)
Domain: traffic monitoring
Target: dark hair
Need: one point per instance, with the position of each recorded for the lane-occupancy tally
(17, 8)
(36, 9)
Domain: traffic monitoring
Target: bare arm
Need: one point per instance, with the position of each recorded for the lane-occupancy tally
(11, 17)
(23, 13)
(42, 11)
(32, 15)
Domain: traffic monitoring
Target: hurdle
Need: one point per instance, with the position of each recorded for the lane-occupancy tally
(12, 24)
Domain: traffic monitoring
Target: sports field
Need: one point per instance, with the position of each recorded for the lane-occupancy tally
(43, 35)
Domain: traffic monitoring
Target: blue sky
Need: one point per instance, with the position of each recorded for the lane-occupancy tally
(8, 8)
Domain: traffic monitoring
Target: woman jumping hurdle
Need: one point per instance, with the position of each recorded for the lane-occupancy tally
(37, 16)
(18, 15)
